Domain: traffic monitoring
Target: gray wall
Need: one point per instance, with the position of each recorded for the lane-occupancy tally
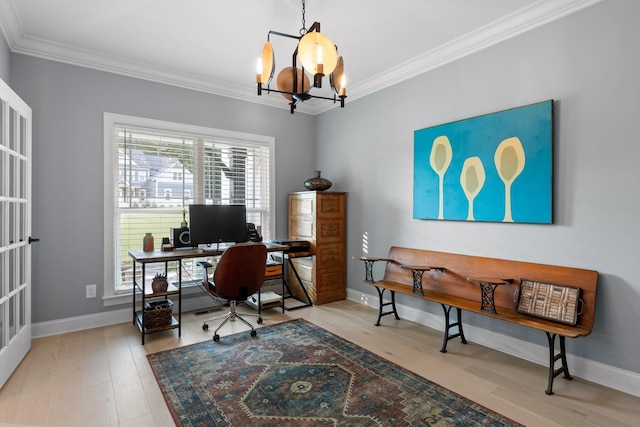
(68, 103)
(4, 59)
(588, 63)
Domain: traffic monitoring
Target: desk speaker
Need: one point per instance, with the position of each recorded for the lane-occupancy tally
(181, 237)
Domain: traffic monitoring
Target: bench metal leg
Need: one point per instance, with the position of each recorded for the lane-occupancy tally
(368, 271)
(553, 358)
(383, 304)
(449, 325)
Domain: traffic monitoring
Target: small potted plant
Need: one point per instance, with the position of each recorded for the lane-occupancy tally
(159, 283)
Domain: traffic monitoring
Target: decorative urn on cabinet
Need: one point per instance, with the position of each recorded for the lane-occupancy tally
(317, 183)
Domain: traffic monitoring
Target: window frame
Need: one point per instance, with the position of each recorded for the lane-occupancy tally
(110, 297)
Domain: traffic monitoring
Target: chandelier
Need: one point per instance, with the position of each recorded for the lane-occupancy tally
(316, 54)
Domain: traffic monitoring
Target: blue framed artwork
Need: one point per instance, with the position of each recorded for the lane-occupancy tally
(497, 167)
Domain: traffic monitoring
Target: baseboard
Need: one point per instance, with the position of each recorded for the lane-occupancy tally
(590, 370)
(112, 317)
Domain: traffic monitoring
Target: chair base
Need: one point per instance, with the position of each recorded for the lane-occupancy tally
(232, 315)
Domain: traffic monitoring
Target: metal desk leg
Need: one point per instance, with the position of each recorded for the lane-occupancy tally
(307, 303)
(134, 293)
(179, 297)
(142, 306)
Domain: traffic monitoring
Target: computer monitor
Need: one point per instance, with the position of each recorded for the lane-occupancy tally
(213, 224)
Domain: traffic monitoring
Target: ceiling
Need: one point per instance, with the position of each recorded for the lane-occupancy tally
(213, 45)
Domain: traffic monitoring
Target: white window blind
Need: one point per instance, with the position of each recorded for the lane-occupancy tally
(158, 173)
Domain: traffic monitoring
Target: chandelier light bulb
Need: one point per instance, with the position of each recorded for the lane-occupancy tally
(315, 47)
(320, 65)
(259, 71)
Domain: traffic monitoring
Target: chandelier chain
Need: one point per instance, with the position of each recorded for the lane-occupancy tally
(303, 30)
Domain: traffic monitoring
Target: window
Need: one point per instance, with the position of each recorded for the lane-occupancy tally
(155, 169)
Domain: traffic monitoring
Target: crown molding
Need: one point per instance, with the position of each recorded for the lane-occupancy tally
(534, 16)
(9, 23)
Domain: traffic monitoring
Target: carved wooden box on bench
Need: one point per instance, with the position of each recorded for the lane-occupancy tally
(549, 301)
(557, 300)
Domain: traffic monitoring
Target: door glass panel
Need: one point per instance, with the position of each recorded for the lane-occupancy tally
(3, 341)
(22, 185)
(11, 270)
(3, 105)
(12, 171)
(22, 301)
(21, 207)
(3, 165)
(3, 276)
(11, 221)
(12, 317)
(22, 271)
(4, 240)
(23, 136)
(12, 130)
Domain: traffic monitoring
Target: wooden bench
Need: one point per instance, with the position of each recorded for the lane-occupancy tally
(485, 286)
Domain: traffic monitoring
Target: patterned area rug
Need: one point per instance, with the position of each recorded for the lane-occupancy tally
(297, 374)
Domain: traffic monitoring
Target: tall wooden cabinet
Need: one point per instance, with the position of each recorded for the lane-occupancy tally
(320, 217)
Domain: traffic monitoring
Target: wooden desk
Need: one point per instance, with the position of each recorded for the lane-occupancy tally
(144, 258)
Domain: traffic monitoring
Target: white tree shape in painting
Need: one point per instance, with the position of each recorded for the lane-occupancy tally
(472, 180)
(510, 159)
(440, 160)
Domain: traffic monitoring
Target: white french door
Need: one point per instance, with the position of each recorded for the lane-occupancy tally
(15, 231)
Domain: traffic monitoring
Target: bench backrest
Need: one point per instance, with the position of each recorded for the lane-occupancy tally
(453, 280)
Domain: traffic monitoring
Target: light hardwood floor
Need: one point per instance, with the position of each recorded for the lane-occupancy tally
(101, 376)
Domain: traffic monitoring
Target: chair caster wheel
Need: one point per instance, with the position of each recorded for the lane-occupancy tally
(259, 320)
(216, 337)
(205, 327)
(254, 333)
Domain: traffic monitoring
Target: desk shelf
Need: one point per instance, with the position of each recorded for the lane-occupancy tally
(144, 291)
(150, 295)
(139, 322)
(148, 292)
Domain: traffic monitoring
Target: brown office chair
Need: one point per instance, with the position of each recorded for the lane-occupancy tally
(238, 275)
